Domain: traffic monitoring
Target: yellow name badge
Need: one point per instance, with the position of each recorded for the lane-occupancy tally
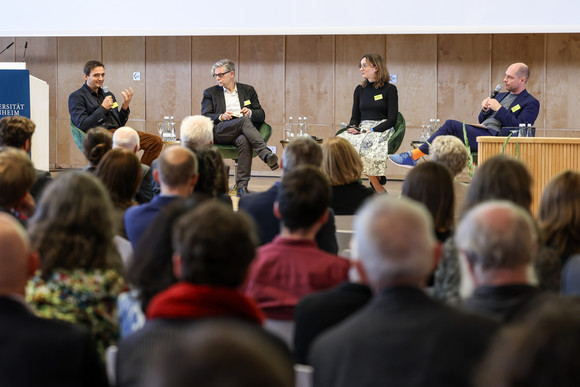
(516, 108)
(247, 102)
(378, 97)
(115, 104)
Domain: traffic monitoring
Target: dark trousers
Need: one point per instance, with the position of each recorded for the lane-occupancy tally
(151, 144)
(243, 134)
(455, 128)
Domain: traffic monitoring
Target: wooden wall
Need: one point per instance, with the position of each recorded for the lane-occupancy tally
(443, 76)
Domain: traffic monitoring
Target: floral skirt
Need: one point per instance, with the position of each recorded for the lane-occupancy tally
(372, 147)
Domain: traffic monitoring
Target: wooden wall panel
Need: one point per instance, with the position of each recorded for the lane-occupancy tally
(205, 51)
(414, 59)
(310, 78)
(168, 86)
(562, 81)
(526, 48)
(349, 50)
(463, 76)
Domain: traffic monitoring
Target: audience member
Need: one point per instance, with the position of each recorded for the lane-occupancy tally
(196, 132)
(499, 241)
(80, 271)
(213, 178)
(452, 152)
(543, 350)
(211, 261)
(571, 276)
(219, 354)
(17, 131)
(559, 214)
(403, 337)
(96, 143)
(292, 266)
(16, 177)
(128, 138)
(37, 351)
(302, 151)
(342, 164)
(177, 175)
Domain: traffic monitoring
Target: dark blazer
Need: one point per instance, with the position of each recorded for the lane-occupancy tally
(214, 103)
(42, 352)
(138, 218)
(402, 338)
(347, 198)
(260, 207)
(86, 112)
(145, 191)
(523, 110)
(43, 178)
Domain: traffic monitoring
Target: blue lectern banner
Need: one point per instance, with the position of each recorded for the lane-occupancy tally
(14, 93)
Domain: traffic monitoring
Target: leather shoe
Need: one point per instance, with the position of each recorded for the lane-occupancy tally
(382, 180)
(242, 191)
(272, 161)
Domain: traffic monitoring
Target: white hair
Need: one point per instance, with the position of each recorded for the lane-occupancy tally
(196, 131)
(394, 241)
(126, 138)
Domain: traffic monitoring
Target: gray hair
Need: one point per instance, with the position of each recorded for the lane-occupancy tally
(394, 240)
(497, 235)
(126, 138)
(196, 131)
(302, 151)
(449, 151)
(228, 64)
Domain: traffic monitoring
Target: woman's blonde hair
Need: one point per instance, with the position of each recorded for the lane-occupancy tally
(340, 161)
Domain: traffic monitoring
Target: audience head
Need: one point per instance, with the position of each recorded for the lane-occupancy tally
(151, 269)
(500, 178)
(382, 75)
(431, 183)
(17, 261)
(73, 226)
(303, 198)
(177, 167)
(542, 350)
(120, 172)
(16, 176)
(126, 138)
(223, 354)
(216, 251)
(96, 143)
(451, 152)
(16, 131)
(559, 214)
(302, 151)
(340, 161)
(213, 179)
(497, 236)
(404, 254)
(196, 132)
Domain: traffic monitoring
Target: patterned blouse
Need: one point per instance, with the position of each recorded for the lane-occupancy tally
(80, 296)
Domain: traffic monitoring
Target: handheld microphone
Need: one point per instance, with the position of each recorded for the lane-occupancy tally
(105, 90)
(495, 91)
(7, 47)
(25, 47)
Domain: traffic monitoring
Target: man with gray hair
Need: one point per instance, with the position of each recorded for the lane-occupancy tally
(128, 138)
(499, 241)
(196, 132)
(402, 337)
(237, 114)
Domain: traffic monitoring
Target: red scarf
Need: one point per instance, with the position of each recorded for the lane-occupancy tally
(185, 300)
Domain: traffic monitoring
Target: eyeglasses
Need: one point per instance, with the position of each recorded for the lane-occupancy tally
(364, 66)
(221, 75)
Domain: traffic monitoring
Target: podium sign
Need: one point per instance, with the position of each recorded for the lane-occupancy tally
(14, 93)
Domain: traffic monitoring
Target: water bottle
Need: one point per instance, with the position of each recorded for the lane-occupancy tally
(522, 132)
(305, 127)
(288, 135)
(166, 129)
(172, 126)
(300, 127)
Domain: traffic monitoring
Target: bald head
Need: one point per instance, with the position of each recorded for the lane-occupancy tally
(177, 166)
(16, 260)
(126, 138)
(522, 70)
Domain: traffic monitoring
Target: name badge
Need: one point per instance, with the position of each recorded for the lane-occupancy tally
(247, 102)
(115, 104)
(378, 97)
(516, 108)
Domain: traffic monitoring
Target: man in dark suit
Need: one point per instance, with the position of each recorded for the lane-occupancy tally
(302, 151)
(17, 131)
(504, 110)
(402, 337)
(236, 112)
(37, 351)
(91, 106)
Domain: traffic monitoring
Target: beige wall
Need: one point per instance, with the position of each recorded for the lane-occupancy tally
(443, 76)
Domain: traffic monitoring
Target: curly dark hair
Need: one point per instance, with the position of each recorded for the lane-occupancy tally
(15, 130)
